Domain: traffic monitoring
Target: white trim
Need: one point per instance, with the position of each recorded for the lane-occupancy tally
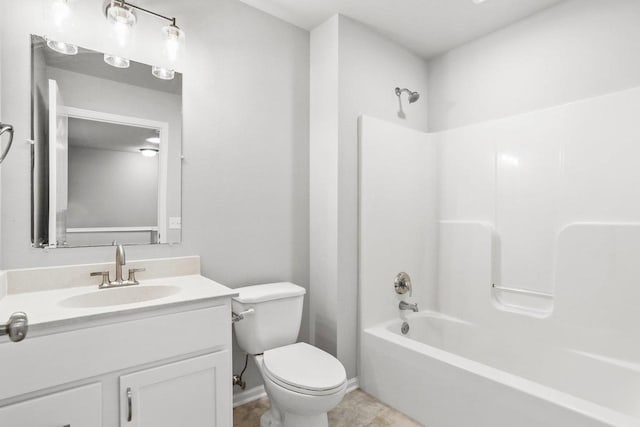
(100, 116)
(258, 392)
(353, 384)
(53, 174)
(111, 229)
(163, 161)
(250, 395)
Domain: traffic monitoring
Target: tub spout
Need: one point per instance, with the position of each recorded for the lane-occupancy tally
(407, 306)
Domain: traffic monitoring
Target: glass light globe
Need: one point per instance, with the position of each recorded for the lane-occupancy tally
(122, 19)
(116, 61)
(62, 47)
(174, 41)
(163, 73)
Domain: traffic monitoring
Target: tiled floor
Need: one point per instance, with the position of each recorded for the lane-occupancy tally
(357, 409)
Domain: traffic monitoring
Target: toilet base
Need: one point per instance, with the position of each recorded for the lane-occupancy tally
(269, 419)
(293, 420)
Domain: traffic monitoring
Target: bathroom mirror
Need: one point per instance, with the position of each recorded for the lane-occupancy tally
(106, 156)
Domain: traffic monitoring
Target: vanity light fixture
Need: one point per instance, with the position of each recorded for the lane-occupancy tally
(163, 73)
(116, 61)
(122, 15)
(149, 151)
(478, 1)
(62, 47)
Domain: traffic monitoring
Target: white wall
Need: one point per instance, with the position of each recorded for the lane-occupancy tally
(369, 67)
(323, 194)
(575, 50)
(246, 115)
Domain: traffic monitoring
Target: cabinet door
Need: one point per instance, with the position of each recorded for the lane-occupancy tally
(78, 407)
(192, 393)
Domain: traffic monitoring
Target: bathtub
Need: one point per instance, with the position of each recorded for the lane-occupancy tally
(448, 372)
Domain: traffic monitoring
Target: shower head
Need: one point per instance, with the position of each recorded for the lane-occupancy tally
(413, 96)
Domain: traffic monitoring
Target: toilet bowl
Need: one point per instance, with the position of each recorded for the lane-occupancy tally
(302, 382)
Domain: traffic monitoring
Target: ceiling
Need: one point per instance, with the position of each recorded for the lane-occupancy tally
(427, 27)
(109, 136)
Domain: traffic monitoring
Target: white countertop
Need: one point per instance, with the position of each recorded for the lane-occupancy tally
(44, 308)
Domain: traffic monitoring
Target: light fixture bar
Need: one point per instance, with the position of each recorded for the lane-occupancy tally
(142, 9)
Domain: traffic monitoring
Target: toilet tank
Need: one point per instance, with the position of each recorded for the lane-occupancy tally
(276, 318)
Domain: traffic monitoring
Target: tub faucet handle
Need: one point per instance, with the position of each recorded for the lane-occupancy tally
(402, 284)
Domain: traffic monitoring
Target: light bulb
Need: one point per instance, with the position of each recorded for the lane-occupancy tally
(121, 32)
(154, 140)
(60, 12)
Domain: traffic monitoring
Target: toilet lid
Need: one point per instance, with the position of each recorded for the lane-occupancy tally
(305, 367)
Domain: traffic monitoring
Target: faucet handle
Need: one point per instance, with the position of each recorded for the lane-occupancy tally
(105, 277)
(402, 284)
(132, 274)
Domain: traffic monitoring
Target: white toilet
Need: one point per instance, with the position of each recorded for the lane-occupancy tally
(303, 382)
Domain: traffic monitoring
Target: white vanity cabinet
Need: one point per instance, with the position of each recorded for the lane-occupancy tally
(189, 393)
(169, 366)
(78, 407)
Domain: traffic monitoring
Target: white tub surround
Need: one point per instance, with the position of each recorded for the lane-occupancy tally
(544, 206)
(109, 357)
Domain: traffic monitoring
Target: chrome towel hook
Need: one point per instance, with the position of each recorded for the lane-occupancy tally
(4, 128)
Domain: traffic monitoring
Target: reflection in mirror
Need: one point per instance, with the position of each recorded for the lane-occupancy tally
(106, 153)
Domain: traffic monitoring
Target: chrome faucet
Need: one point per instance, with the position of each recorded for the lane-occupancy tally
(121, 260)
(407, 306)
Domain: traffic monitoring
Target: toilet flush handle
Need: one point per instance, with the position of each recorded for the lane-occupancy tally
(236, 317)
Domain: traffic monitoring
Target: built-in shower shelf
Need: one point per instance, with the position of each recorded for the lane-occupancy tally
(522, 301)
(523, 291)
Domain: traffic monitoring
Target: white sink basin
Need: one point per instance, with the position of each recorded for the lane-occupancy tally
(119, 296)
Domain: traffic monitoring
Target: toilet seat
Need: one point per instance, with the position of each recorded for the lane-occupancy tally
(305, 369)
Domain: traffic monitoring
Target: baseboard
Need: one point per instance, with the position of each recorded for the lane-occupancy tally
(258, 392)
(247, 396)
(353, 384)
